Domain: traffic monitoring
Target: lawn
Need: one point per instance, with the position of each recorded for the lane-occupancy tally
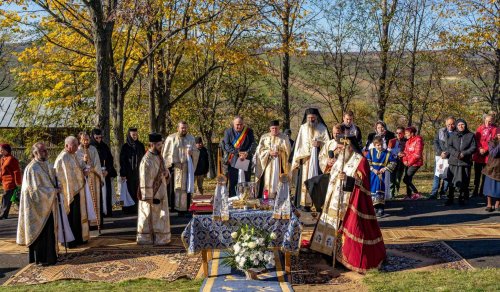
(181, 285)
(435, 280)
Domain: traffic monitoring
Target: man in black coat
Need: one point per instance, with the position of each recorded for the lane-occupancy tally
(130, 157)
(107, 164)
(461, 146)
(349, 128)
(238, 143)
(441, 150)
(202, 168)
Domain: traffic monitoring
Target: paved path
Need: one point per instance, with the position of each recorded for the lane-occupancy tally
(469, 230)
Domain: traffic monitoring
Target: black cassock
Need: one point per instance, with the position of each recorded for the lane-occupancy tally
(317, 187)
(43, 249)
(75, 222)
(130, 157)
(107, 161)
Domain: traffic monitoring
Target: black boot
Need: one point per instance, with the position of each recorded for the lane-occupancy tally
(451, 196)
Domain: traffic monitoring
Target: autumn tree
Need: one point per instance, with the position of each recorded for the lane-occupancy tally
(339, 33)
(283, 21)
(389, 22)
(473, 41)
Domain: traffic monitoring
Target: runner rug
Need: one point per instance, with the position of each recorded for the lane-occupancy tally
(224, 278)
(114, 264)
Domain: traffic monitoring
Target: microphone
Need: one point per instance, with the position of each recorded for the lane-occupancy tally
(331, 154)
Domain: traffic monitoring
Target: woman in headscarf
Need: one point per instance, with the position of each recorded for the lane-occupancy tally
(10, 177)
(107, 163)
(492, 174)
(381, 132)
(461, 146)
(130, 157)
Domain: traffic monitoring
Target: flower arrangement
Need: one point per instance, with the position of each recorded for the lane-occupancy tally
(251, 249)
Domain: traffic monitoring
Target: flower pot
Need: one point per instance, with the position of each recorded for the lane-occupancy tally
(251, 274)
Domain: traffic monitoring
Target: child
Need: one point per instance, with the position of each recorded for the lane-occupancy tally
(380, 161)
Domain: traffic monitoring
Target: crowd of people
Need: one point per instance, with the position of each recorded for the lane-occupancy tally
(72, 196)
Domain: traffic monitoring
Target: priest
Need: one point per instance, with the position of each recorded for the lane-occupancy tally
(108, 169)
(88, 155)
(153, 221)
(347, 228)
(313, 134)
(272, 160)
(130, 157)
(70, 173)
(38, 213)
(181, 153)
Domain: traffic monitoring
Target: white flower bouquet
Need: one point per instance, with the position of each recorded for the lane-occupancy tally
(251, 249)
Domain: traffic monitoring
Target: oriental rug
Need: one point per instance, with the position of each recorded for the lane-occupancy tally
(115, 264)
(313, 268)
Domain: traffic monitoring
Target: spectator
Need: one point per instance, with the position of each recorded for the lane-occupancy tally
(461, 146)
(412, 160)
(484, 134)
(202, 168)
(396, 146)
(10, 177)
(349, 128)
(441, 151)
(492, 174)
(382, 132)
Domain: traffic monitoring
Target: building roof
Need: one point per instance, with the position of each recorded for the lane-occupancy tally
(12, 115)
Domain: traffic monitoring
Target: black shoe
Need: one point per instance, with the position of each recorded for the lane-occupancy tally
(489, 209)
(448, 202)
(461, 202)
(432, 197)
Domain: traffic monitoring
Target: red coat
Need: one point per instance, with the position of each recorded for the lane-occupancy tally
(10, 172)
(414, 148)
(483, 136)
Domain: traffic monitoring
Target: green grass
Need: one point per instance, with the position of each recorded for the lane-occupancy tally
(145, 285)
(435, 280)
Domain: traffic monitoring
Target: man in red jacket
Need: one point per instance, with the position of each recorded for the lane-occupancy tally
(10, 177)
(484, 134)
(412, 160)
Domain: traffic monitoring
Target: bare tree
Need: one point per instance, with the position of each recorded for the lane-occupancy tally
(339, 36)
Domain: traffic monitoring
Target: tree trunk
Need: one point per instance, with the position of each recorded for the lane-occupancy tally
(412, 85)
(285, 94)
(212, 155)
(151, 85)
(496, 83)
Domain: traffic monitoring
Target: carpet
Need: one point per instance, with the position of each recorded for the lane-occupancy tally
(224, 278)
(311, 268)
(115, 264)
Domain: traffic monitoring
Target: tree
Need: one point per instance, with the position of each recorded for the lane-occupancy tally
(339, 34)
(473, 41)
(5, 61)
(281, 20)
(391, 26)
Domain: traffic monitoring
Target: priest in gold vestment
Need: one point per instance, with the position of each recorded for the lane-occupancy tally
(70, 173)
(153, 221)
(88, 155)
(325, 160)
(271, 160)
(347, 228)
(180, 151)
(38, 213)
(313, 134)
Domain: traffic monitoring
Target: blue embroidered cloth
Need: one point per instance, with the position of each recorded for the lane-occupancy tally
(204, 233)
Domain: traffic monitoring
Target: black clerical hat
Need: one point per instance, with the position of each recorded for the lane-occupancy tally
(353, 141)
(96, 131)
(274, 123)
(132, 129)
(154, 137)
